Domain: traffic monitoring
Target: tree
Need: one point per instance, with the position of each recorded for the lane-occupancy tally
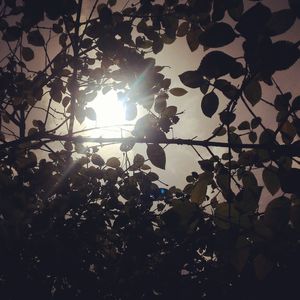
(76, 226)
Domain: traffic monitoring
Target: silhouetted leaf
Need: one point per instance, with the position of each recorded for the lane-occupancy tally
(227, 117)
(35, 38)
(289, 180)
(253, 21)
(192, 79)
(198, 194)
(271, 179)
(280, 22)
(253, 92)
(252, 136)
(282, 55)
(138, 160)
(255, 122)
(178, 92)
(244, 125)
(12, 33)
(262, 266)
(217, 35)
(113, 162)
(267, 137)
(216, 64)
(97, 160)
(295, 6)
(210, 104)
(192, 39)
(183, 29)
(236, 11)
(222, 218)
(277, 213)
(156, 155)
(157, 45)
(27, 53)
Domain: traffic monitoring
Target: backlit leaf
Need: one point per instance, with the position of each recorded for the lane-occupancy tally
(217, 35)
(156, 155)
(262, 266)
(253, 92)
(97, 160)
(223, 218)
(35, 38)
(271, 179)
(210, 104)
(192, 79)
(178, 92)
(183, 29)
(27, 53)
(113, 162)
(280, 22)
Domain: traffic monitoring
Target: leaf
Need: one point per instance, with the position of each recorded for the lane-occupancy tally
(56, 93)
(289, 180)
(35, 38)
(216, 64)
(192, 79)
(253, 92)
(281, 56)
(277, 213)
(280, 22)
(227, 117)
(252, 136)
(91, 114)
(183, 29)
(111, 2)
(249, 180)
(235, 12)
(217, 35)
(295, 6)
(198, 194)
(156, 155)
(192, 39)
(253, 21)
(160, 103)
(157, 45)
(27, 53)
(138, 160)
(221, 215)
(255, 122)
(68, 146)
(245, 125)
(267, 137)
(12, 33)
(127, 145)
(178, 92)
(113, 162)
(97, 160)
(170, 111)
(262, 266)
(271, 179)
(239, 258)
(210, 104)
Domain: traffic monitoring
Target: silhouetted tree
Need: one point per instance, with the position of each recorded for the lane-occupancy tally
(76, 226)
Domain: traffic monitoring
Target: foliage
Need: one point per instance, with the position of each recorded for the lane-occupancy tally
(77, 226)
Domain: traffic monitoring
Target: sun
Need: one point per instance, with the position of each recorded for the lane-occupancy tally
(110, 112)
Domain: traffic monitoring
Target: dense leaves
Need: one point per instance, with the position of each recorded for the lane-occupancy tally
(82, 219)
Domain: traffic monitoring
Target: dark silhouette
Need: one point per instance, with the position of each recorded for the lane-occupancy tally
(76, 226)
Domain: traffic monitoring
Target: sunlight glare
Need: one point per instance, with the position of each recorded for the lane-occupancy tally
(110, 116)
